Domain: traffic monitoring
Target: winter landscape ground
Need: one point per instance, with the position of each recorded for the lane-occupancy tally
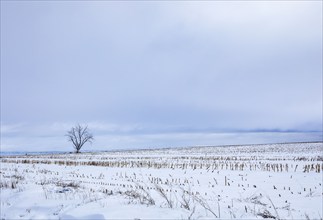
(277, 181)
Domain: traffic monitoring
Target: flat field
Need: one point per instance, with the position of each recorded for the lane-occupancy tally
(277, 181)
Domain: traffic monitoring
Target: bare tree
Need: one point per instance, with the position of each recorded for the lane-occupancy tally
(79, 135)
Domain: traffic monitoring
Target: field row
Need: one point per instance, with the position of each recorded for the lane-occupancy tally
(209, 166)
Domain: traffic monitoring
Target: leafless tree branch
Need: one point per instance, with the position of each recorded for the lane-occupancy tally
(79, 135)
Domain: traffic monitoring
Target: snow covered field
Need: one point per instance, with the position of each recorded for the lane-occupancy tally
(278, 181)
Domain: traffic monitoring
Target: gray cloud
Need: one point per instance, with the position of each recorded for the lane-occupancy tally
(159, 67)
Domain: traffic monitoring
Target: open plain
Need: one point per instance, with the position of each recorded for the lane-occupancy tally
(275, 181)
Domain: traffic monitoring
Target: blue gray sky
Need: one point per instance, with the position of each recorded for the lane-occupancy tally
(160, 73)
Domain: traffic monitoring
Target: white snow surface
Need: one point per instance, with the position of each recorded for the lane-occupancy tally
(281, 181)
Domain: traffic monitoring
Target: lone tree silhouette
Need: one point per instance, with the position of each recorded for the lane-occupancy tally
(79, 135)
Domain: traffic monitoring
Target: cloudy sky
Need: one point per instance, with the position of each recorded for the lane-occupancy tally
(160, 73)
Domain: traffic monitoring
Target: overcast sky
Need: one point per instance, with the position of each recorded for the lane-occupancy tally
(152, 74)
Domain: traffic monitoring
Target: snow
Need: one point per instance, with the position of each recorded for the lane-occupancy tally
(245, 182)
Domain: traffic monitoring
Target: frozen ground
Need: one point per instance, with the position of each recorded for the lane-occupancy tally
(278, 181)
